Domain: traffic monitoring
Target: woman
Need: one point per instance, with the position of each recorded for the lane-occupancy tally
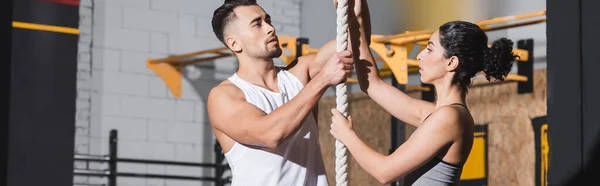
(435, 153)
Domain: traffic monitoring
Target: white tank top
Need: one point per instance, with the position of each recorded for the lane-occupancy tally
(296, 162)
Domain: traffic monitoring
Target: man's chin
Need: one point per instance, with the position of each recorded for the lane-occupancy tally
(276, 53)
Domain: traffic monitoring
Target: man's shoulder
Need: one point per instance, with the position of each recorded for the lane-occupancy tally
(301, 62)
(299, 67)
(225, 90)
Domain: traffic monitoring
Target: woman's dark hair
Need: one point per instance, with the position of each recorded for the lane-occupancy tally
(469, 43)
(223, 15)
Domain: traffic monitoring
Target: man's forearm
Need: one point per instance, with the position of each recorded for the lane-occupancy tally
(286, 119)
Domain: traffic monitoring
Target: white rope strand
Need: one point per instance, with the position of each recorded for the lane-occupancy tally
(341, 167)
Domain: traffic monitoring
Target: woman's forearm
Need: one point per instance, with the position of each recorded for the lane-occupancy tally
(369, 159)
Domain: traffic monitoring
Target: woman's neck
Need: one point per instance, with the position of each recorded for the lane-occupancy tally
(448, 93)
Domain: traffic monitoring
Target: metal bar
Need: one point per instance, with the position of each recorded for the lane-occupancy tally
(523, 54)
(412, 62)
(188, 55)
(91, 160)
(422, 43)
(227, 179)
(512, 25)
(510, 18)
(96, 158)
(218, 173)
(518, 78)
(495, 83)
(411, 39)
(112, 153)
(405, 34)
(509, 77)
(85, 172)
(130, 160)
(136, 175)
(90, 156)
(43, 27)
(226, 53)
(204, 59)
(87, 184)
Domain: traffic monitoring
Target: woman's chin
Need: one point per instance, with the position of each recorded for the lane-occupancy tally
(425, 81)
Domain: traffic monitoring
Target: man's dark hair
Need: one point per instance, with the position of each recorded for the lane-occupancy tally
(224, 15)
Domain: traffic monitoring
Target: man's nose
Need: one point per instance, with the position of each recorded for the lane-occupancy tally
(270, 29)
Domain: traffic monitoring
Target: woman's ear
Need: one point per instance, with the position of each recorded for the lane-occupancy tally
(452, 63)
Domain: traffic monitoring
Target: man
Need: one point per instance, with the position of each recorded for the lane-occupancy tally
(261, 115)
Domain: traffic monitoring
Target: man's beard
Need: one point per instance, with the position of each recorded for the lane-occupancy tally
(270, 54)
(275, 53)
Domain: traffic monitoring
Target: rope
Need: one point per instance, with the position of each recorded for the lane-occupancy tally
(341, 167)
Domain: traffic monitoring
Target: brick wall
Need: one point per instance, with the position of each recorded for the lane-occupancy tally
(117, 91)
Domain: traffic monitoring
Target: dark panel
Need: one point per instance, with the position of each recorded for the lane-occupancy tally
(428, 95)
(41, 12)
(590, 86)
(526, 69)
(5, 83)
(564, 89)
(477, 182)
(398, 131)
(42, 108)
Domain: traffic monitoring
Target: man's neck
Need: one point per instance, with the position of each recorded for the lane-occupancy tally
(261, 72)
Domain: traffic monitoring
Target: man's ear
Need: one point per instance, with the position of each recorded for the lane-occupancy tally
(452, 63)
(233, 44)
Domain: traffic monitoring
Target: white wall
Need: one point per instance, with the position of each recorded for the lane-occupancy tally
(117, 91)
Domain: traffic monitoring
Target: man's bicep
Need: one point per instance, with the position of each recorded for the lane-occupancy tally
(234, 117)
(318, 60)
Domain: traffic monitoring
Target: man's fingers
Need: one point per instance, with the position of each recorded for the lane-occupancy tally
(345, 53)
(348, 60)
(348, 67)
